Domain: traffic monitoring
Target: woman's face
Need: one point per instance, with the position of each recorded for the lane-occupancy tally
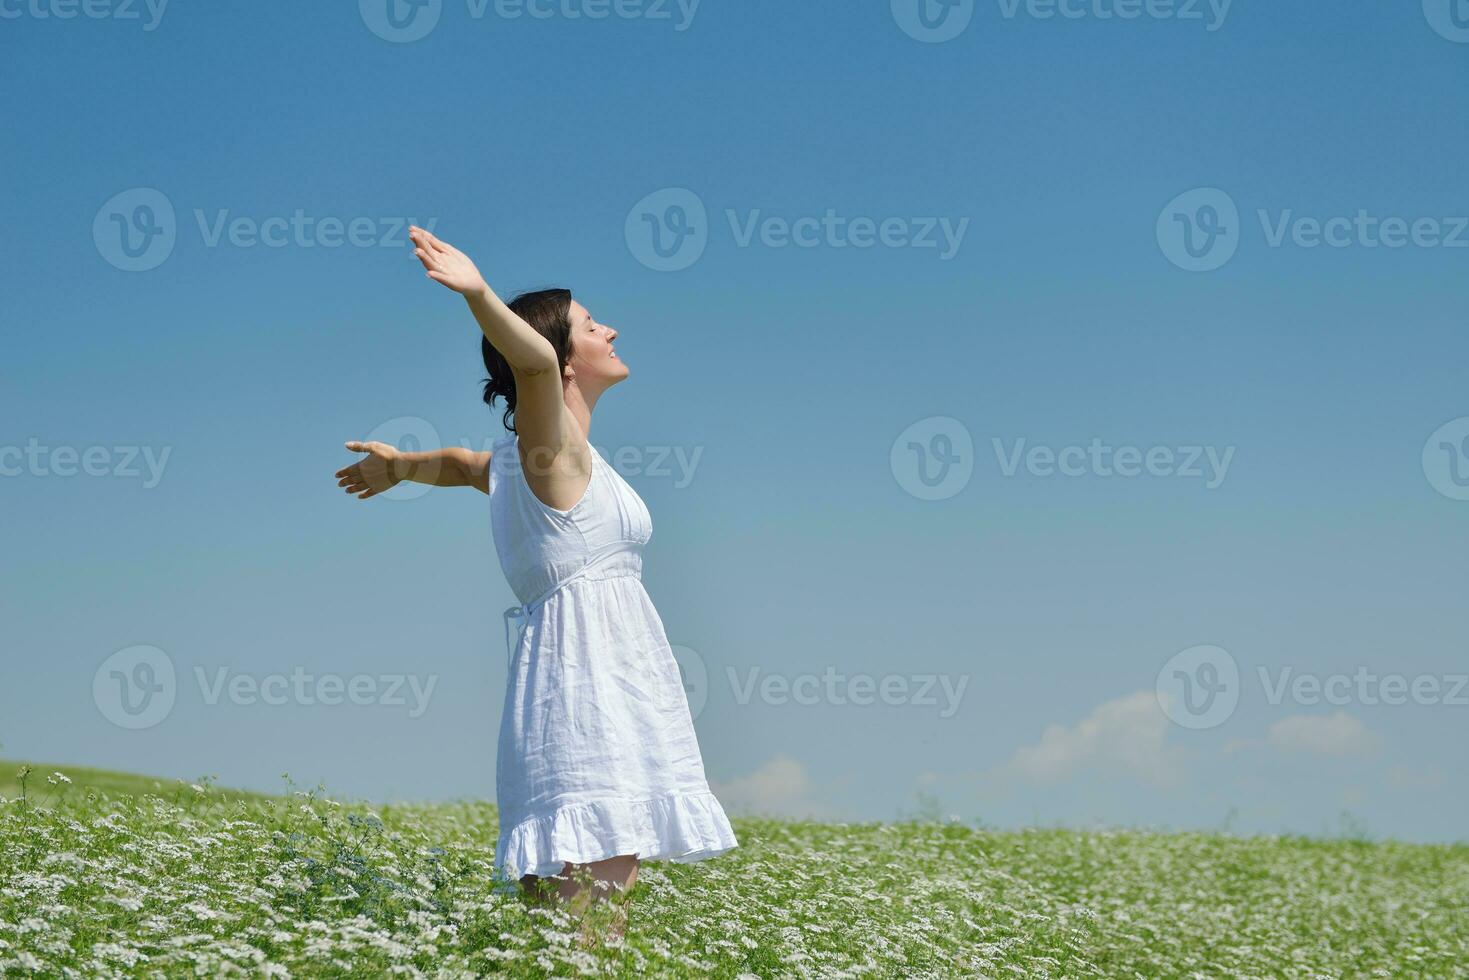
(592, 356)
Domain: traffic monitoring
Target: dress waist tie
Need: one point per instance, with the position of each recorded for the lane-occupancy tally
(518, 617)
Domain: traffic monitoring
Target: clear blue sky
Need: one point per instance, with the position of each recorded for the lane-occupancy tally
(1055, 143)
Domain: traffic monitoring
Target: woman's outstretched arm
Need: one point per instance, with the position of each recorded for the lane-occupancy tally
(386, 466)
(545, 426)
(523, 348)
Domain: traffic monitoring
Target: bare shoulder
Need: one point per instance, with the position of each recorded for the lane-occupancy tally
(557, 464)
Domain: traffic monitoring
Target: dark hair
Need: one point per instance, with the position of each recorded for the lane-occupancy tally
(548, 311)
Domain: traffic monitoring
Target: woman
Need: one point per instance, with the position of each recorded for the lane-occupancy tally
(598, 765)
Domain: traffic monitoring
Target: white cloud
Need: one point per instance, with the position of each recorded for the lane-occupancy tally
(1122, 735)
(1338, 734)
(782, 787)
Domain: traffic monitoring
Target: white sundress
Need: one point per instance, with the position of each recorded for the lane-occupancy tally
(597, 753)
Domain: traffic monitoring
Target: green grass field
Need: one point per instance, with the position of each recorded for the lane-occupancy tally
(120, 875)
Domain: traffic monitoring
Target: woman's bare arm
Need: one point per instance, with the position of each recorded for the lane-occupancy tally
(545, 426)
(386, 466)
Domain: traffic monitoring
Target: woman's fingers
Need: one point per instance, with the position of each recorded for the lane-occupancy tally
(432, 263)
(426, 239)
(434, 242)
(351, 479)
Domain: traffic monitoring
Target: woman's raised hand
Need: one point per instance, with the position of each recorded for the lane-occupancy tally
(371, 476)
(444, 263)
